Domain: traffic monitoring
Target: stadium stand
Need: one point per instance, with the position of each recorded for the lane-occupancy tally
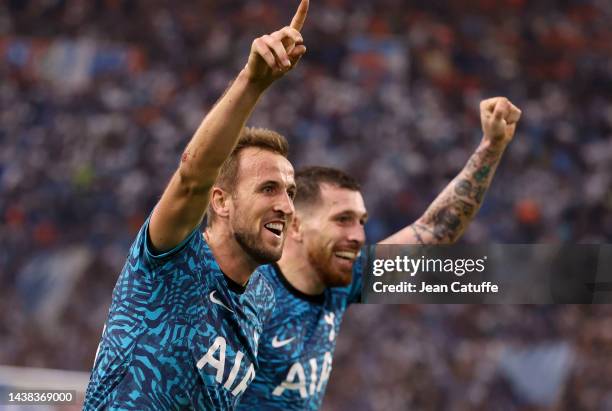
(98, 98)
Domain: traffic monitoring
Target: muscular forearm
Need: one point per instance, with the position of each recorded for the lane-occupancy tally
(455, 207)
(218, 133)
(451, 212)
(184, 201)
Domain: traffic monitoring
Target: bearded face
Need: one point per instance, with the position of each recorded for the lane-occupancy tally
(334, 233)
(262, 204)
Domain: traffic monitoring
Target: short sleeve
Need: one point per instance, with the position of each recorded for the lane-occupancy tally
(159, 264)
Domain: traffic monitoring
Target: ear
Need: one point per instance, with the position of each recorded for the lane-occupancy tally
(220, 201)
(296, 229)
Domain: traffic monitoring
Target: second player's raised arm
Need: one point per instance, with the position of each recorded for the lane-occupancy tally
(184, 201)
(451, 212)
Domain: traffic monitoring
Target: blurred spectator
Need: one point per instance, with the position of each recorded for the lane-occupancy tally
(97, 100)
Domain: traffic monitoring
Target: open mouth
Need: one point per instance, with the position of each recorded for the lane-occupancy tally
(346, 255)
(275, 228)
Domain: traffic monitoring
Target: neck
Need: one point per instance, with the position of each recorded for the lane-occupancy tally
(231, 258)
(298, 271)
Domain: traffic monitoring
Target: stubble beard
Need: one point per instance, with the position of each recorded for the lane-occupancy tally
(251, 245)
(322, 263)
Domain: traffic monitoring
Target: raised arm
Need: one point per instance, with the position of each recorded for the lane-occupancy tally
(185, 199)
(449, 215)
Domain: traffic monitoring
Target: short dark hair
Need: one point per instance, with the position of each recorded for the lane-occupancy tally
(249, 137)
(309, 180)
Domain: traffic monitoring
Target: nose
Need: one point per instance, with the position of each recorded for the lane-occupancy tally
(356, 234)
(285, 205)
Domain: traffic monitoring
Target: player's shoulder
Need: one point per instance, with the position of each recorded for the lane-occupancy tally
(186, 257)
(261, 283)
(267, 272)
(266, 277)
(262, 289)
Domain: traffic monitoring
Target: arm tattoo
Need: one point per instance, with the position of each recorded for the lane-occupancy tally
(463, 188)
(449, 215)
(417, 235)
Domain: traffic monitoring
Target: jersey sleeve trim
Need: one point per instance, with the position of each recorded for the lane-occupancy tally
(154, 257)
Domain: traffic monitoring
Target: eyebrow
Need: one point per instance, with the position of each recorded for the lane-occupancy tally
(353, 213)
(263, 183)
(276, 183)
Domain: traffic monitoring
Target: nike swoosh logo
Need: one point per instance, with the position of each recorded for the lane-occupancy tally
(215, 300)
(277, 344)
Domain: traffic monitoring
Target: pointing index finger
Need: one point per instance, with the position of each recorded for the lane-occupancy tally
(300, 16)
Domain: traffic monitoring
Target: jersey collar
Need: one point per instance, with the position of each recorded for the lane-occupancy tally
(315, 299)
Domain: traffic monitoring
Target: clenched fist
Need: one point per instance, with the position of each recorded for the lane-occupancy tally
(272, 55)
(499, 117)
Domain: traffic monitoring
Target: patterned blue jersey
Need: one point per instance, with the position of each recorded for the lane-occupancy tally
(298, 342)
(180, 334)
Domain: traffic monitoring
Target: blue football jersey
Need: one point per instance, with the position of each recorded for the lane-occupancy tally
(180, 334)
(298, 342)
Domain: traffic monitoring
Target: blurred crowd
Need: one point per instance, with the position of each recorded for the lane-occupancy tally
(473, 357)
(98, 99)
